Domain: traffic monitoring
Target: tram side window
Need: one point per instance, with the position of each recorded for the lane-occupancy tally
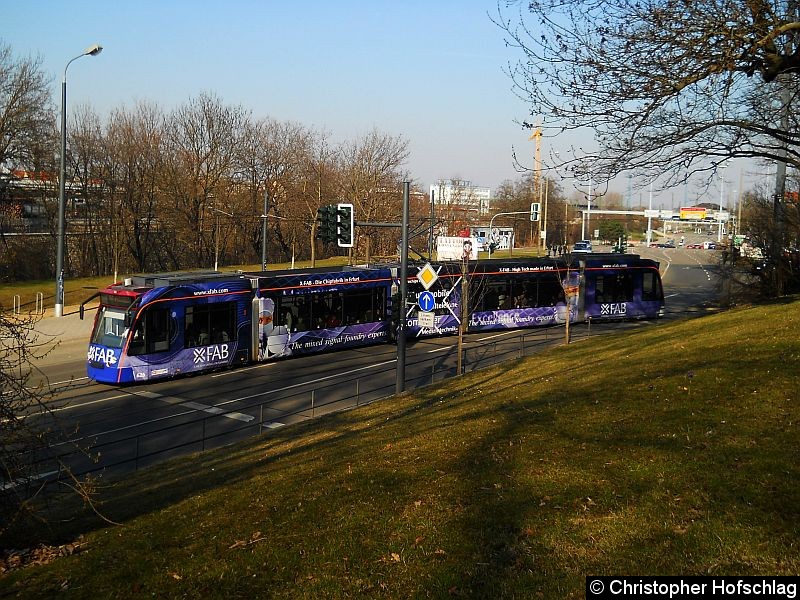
(497, 293)
(549, 292)
(326, 310)
(331, 309)
(613, 288)
(208, 324)
(651, 287)
(151, 334)
(517, 296)
(294, 312)
(364, 306)
(496, 296)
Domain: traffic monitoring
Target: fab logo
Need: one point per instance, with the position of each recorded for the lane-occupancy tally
(211, 354)
(98, 354)
(609, 310)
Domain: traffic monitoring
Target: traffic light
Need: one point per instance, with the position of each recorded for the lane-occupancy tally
(326, 227)
(535, 206)
(345, 225)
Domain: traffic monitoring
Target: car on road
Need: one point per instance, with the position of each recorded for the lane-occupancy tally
(695, 246)
(709, 245)
(582, 247)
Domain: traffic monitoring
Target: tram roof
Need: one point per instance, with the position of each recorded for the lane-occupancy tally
(312, 271)
(175, 278)
(153, 280)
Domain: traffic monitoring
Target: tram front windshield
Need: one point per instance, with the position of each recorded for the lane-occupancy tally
(110, 329)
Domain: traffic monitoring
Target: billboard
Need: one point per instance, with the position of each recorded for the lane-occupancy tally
(456, 248)
(693, 213)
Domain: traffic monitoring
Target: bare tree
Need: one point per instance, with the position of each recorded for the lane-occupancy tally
(23, 439)
(134, 205)
(371, 174)
(517, 197)
(201, 143)
(759, 227)
(26, 114)
(271, 158)
(668, 86)
(88, 248)
(318, 186)
(27, 141)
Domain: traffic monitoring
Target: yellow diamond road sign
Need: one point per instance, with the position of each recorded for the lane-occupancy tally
(427, 276)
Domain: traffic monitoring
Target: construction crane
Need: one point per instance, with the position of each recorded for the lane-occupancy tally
(536, 136)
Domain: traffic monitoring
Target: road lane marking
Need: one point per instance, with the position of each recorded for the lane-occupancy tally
(442, 349)
(310, 381)
(213, 410)
(71, 406)
(24, 480)
(242, 369)
(197, 406)
(55, 383)
(498, 335)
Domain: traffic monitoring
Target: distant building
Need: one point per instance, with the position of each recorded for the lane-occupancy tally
(461, 193)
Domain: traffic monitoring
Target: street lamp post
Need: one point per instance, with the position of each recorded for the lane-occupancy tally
(586, 223)
(216, 233)
(721, 197)
(61, 243)
(649, 237)
(264, 230)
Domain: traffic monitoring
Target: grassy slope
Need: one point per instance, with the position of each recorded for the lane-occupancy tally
(672, 450)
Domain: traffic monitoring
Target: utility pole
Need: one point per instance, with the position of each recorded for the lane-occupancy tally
(433, 220)
(326, 216)
(400, 383)
(463, 313)
(780, 191)
(264, 230)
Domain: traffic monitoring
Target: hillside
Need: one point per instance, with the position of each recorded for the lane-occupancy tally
(670, 450)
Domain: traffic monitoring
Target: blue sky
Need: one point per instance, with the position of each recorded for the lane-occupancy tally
(431, 71)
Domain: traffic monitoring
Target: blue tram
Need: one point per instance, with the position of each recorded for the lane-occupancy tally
(512, 294)
(167, 324)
